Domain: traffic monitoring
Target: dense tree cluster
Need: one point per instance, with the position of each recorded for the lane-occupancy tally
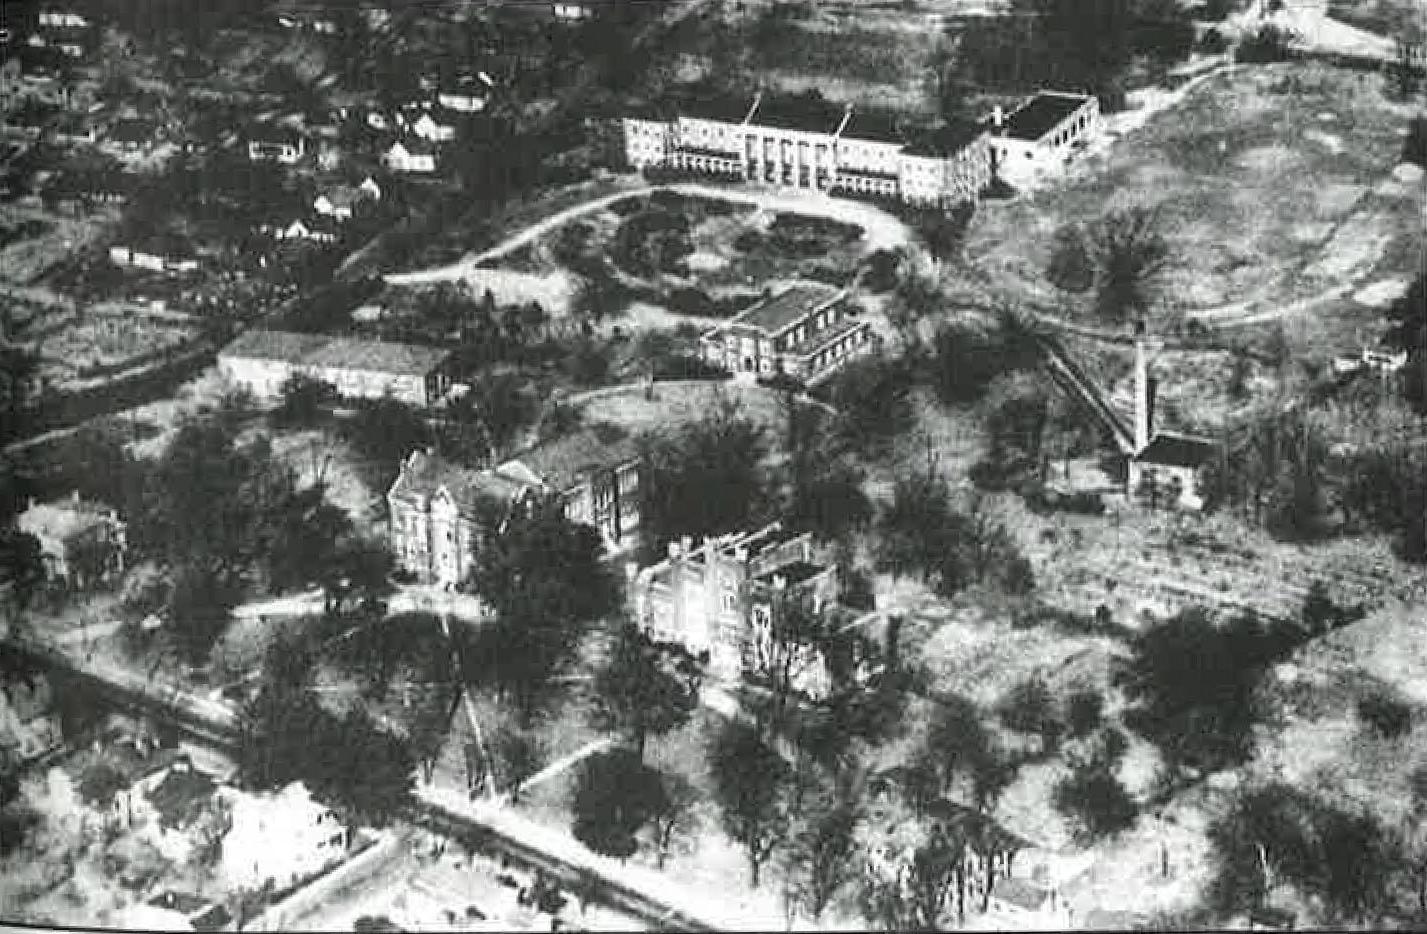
(951, 547)
(542, 577)
(1193, 681)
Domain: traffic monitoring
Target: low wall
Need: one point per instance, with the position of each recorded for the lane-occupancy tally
(308, 897)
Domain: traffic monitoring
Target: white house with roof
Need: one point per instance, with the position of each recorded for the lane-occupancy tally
(282, 837)
(342, 202)
(410, 157)
(82, 542)
(803, 331)
(283, 145)
(434, 127)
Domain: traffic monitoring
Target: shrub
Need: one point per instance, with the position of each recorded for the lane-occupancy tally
(1387, 716)
(1093, 800)
(1414, 150)
(691, 301)
(1030, 707)
(880, 271)
(1269, 44)
(748, 241)
(627, 206)
(1083, 712)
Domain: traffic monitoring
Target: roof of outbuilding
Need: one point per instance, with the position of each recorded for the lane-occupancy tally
(180, 796)
(1175, 450)
(344, 352)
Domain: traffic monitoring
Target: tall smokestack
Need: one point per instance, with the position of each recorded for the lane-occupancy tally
(1144, 402)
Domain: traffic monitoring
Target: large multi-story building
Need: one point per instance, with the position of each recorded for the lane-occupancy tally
(720, 598)
(803, 331)
(436, 508)
(811, 143)
(262, 361)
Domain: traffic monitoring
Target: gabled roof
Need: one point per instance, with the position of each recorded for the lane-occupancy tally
(64, 519)
(345, 352)
(414, 147)
(180, 797)
(424, 475)
(1040, 114)
(131, 130)
(274, 135)
(779, 312)
(1175, 450)
(564, 462)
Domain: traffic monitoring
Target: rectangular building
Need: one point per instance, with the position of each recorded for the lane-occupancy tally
(261, 361)
(1040, 135)
(811, 143)
(802, 331)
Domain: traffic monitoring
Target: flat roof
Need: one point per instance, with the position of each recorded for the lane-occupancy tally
(344, 352)
(808, 113)
(704, 104)
(874, 126)
(945, 140)
(1039, 115)
(785, 309)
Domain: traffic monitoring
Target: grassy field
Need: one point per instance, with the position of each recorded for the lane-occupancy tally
(1271, 183)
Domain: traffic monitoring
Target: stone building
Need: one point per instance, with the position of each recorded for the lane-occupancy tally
(437, 509)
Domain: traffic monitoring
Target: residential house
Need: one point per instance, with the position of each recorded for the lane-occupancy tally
(467, 97)
(63, 19)
(29, 723)
(75, 129)
(410, 157)
(82, 542)
(319, 229)
(342, 202)
(132, 135)
(434, 127)
(572, 12)
(177, 797)
(719, 598)
(803, 331)
(200, 913)
(1164, 467)
(281, 837)
(436, 508)
(276, 144)
(262, 361)
(156, 254)
(811, 143)
(1040, 134)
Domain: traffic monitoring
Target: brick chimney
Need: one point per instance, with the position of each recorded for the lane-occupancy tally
(1144, 394)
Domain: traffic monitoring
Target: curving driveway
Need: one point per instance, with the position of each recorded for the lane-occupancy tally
(881, 230)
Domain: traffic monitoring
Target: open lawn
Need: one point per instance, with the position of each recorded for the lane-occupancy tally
(678, 403)
(1268, 182)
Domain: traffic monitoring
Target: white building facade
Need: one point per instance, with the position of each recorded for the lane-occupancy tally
(812, 144)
